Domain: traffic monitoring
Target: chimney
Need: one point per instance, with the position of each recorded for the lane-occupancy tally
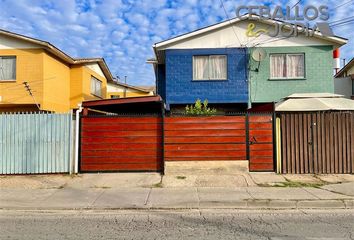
(336, 58)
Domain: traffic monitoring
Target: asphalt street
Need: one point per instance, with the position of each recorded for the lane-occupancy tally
(184, 224)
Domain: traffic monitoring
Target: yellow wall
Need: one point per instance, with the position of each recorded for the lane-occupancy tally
(29, 68)
(118, 90)
(80, 85)
(56, 84)
(128, 94)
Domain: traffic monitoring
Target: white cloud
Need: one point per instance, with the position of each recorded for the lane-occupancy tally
(123, 31)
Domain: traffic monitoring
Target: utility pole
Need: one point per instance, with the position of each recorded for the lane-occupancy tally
(125, 87)
(29, 90)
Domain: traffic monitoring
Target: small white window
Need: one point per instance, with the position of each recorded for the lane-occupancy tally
(96, 87)
(213, 67)
(284, 66)
(7, 68)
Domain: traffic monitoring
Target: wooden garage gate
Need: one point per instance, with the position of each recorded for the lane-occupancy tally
(211, 138)
(121, 143)
(247, 136)
(317, 142)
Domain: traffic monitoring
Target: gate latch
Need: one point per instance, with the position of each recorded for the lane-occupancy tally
(253, 140)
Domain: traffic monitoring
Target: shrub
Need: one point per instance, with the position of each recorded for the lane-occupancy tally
(200, 108)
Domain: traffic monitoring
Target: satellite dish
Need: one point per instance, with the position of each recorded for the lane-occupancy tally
(259, 54)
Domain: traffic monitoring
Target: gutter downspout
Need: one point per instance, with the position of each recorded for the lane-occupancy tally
(77, 135)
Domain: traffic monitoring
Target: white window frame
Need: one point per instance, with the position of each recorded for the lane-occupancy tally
(14, 74)
(96, 92)
(209, 63)
(286, 59)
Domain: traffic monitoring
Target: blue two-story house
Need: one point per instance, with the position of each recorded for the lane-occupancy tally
(217, 63)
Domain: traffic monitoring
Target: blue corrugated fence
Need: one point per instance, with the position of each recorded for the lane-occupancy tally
(33, 143)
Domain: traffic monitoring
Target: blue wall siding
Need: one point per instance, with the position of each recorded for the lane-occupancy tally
(181, 89)
(161, 81)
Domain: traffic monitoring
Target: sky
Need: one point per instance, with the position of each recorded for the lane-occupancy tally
(123, 31)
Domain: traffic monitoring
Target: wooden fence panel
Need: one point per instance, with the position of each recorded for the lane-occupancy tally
(121, 143)
(205, 138)
(317, 143)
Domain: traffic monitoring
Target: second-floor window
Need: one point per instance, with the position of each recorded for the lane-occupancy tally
(287, 66)
(212, 67)
(96, 87)
(7, 68)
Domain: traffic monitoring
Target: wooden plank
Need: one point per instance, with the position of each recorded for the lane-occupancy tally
(122, 146)
(207, 146)
(264, 132)
(301, 143)
(288, 143)
(203, 125)
(305, 158)
(261, 167)
(315, 143)
(119, 120)
(340, 143)
(327, 119)
(284, 155)
(205, 158)
(296, 141)
(205, 153)
(335, 137)
(119, 139)
(262, 160)
(352, 142)
(263, 146)
(205, 140)
(332, 142)
(260, 119)
(86, 160)
(311, 136)
(292, 143)
(350, 146)
(206, 133)
(211, 119)
(263, 153)
(346, 147)
(120, 154)
(323, 144)
(122, 127)
(121, 167)
(260, 125)
(103, 134)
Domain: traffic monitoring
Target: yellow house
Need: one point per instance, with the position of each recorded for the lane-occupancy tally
(122, 90)
(35, 75)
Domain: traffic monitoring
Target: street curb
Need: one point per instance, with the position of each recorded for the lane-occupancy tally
(249, 204)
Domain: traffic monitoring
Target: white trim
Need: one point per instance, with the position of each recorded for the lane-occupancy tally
(161, 45)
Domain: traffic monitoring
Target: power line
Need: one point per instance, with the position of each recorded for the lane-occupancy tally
(227, 16)
(342, 4)
(296, 4)
(341, 20)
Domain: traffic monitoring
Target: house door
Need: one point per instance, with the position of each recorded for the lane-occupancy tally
(260, 142)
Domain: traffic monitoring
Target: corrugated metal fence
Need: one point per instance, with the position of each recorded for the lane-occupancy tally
(32, 143)
(321, 142)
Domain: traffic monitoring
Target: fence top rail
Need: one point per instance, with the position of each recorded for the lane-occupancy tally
(218, 114)
(122, 115)
(310, 112)
(32, 113)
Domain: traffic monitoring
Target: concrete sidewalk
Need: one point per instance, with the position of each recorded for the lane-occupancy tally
(151, 191)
